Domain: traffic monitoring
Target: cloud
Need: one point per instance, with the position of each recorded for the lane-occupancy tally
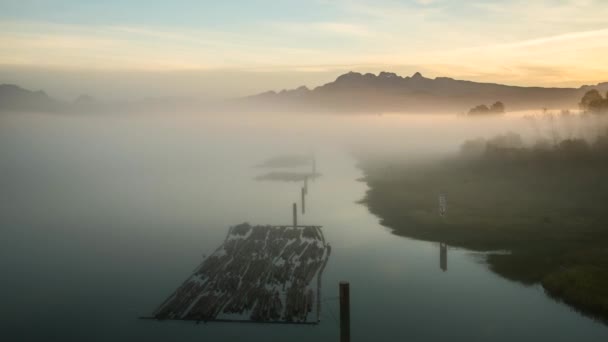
(343, 28)
(310, 28)
(566, 13)
(571, 37)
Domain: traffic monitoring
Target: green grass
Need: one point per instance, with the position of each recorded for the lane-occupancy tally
(551, 215)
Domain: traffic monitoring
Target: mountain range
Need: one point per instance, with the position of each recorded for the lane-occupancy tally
(350, 92)
(356, 92)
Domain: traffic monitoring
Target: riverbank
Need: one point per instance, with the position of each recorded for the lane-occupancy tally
(548, 212)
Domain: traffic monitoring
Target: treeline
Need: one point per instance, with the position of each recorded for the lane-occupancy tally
(510, 147)
(592, 102)
(588, 141)
(496, 108)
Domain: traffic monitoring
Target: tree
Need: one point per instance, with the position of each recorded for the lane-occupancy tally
(591, 100)
(497, 108)
(481, 109)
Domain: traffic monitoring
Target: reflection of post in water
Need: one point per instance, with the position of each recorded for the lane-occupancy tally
(303, 201)
(443, 256)
(443, 205)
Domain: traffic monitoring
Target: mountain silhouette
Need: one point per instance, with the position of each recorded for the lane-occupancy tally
(15, 98)
(356, 92)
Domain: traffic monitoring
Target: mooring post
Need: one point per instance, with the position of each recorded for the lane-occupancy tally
(303, 201)
(295, 215)
(344, 311)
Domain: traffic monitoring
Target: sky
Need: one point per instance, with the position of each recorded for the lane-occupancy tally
(122, 49)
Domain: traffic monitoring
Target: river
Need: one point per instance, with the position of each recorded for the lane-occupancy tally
(102, 217)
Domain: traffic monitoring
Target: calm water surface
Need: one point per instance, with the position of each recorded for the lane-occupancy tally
(102, 218)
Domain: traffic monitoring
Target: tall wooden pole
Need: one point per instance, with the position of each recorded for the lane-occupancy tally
(344, 311)
(295, 215)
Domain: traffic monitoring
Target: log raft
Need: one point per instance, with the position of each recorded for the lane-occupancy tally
(264, 274)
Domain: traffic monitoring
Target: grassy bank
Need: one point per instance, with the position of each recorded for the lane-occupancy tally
(547, 207)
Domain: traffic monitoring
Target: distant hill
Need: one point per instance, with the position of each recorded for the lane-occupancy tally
(15, 98)
(387, 91)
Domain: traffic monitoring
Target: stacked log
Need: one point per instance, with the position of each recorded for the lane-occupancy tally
(264, 273)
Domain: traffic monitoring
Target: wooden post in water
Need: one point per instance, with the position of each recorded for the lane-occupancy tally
(295, 215)
(306, 185)
(303, 201)
(344, 311)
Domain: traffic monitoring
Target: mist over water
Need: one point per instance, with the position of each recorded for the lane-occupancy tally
(103, 216)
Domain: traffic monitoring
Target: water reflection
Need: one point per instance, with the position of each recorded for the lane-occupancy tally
(443, 256)
(303, 201)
